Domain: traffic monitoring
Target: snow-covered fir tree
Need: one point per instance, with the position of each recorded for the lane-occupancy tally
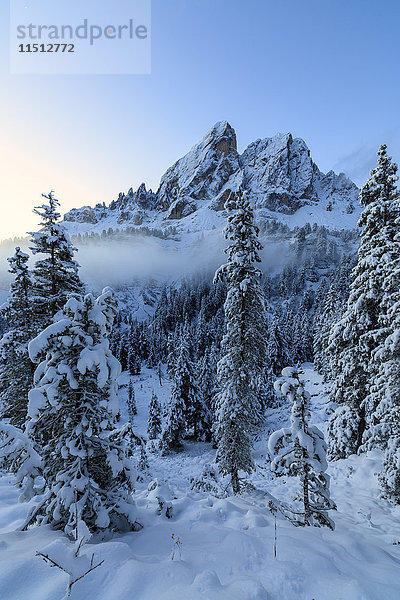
(207, 377)
(330, 308)
(16, 368)
(174, 426)
(186, 411)
(383, 394)
(172, 350)
(154, 423)
(72, 417)
(131, 402)
(355, 338)
(300, 450)
(388, 411)
(277, 351)
(243, 350)
(385, 391)
(19, 454)
(133, 358)
(55, 274)
(143, 466)
(201, 333)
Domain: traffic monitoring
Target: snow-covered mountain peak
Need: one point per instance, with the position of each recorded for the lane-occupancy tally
(201, 174)
(277, 172)
(220, 132)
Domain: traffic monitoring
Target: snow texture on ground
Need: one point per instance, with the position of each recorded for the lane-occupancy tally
(227, 544)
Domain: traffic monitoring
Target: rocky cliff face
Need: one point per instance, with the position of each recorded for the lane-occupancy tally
(278, 174)
(201, 175)
(129, 207)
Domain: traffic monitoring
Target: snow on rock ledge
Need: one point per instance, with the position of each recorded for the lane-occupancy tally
(277, 172)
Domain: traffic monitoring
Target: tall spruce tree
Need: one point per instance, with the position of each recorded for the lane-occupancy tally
(243, 349)
(384, 398)
(355, 338)
(386, 429)
(72, 413)
(16, 368)
(55, 274)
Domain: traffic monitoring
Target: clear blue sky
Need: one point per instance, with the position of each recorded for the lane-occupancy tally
(326, 70)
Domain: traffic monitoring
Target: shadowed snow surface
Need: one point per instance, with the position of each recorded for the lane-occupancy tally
(227, 549)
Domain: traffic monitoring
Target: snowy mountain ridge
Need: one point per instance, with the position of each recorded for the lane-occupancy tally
(278, 174)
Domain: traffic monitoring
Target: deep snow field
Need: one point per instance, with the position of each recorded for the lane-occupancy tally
(227, 544)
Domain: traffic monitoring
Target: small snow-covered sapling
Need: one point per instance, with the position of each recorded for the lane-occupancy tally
(273, 510)
(76, 566)
(300, 450)
(176, 546)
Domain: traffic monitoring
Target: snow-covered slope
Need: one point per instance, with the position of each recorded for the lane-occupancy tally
(277, 173)
(227, 544)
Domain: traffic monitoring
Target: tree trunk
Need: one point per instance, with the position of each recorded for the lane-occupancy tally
(235, 482)
(306, 499)
(361, 427)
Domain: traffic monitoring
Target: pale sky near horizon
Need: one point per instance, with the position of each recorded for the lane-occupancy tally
(326, 70)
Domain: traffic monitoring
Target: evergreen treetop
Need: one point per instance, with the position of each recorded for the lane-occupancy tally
(56, 275)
